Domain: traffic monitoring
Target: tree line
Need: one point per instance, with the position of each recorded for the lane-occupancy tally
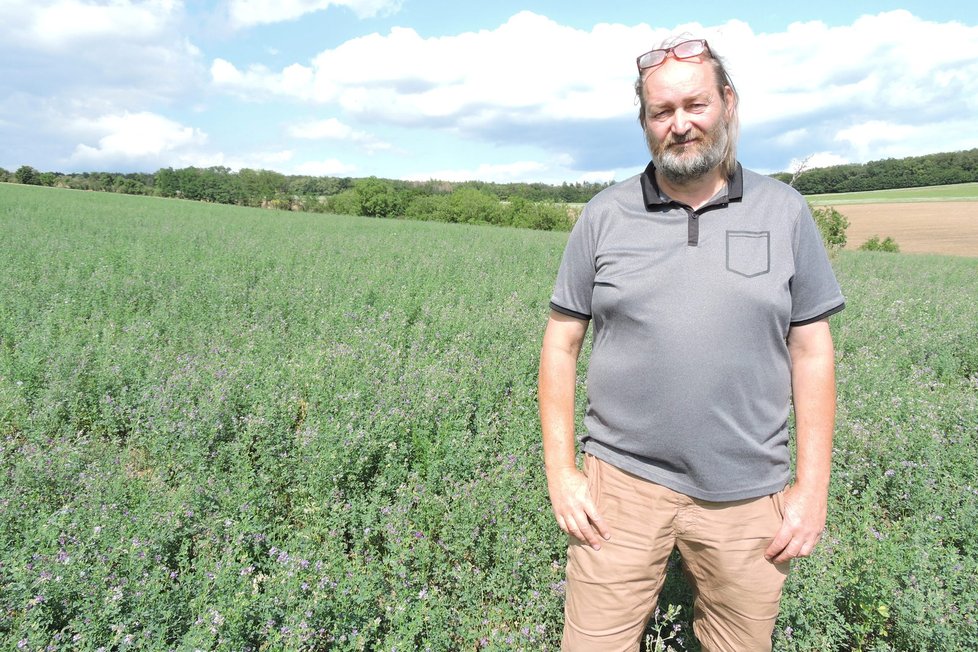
(912, 172)
(533, 205)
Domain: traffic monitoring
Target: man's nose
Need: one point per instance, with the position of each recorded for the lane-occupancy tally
(680, 122)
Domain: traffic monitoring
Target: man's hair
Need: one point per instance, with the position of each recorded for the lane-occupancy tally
(729, 161)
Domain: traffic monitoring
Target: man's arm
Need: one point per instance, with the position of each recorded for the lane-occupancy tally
(813, 392)
(573, 508)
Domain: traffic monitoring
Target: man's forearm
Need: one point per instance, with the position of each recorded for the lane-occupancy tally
(562, 343)
(813, 389)
(558, 377)
(814, 425)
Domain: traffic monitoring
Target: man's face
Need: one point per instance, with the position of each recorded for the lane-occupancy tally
(686, 121)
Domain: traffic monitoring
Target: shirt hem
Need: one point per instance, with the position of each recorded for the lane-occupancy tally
(827, 313)
(629, 464)
(570, 313)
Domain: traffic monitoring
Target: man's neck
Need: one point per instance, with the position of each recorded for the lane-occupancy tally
(695, 192)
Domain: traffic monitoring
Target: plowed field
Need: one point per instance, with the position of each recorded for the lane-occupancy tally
(918, 227)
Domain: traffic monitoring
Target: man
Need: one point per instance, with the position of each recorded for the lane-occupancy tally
(709, 289)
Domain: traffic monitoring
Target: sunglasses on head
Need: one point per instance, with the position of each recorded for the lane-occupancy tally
(684, 50)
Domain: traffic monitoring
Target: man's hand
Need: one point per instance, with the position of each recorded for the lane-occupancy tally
(813, 393)
(804, 520)
(573, 507)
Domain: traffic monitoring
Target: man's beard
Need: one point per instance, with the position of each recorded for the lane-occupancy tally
(696, 160)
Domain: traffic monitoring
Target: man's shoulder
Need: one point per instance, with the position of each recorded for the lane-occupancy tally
(761, 184)
(628, 191)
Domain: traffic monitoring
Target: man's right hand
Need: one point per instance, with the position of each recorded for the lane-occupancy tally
(573, 507)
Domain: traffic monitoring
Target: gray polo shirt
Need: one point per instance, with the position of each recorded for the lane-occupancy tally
(689, 380)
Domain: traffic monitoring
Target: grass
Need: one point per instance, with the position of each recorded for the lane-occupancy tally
(954, 192)
(226, 428)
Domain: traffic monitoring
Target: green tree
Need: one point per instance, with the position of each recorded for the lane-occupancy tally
(344, 203)
(471, 206)
(378, 198)
(27, 175)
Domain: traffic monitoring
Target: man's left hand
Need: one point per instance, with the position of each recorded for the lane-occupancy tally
(804, 520)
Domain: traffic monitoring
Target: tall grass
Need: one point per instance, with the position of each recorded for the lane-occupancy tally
(224, 428)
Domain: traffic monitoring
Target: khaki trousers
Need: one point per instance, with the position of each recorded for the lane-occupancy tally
(612, 592)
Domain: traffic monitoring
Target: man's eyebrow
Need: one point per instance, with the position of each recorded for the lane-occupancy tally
(707, 96)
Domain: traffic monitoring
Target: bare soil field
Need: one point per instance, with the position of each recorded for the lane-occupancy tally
(918, 227)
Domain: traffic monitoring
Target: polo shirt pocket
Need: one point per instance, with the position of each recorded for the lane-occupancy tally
(749, 252)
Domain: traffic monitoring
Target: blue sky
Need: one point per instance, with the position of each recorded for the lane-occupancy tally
(500, 91)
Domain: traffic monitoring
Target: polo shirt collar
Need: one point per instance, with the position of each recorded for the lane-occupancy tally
(654, 196)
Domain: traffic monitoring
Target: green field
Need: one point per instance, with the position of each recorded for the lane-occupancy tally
(228, 428)
(954, 192)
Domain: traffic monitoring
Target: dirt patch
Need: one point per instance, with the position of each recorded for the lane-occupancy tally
(919, 227)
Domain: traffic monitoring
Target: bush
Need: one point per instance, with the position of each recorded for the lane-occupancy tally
(378, 198)
(875, 244)
(543, 216)
(345, 203)
(832, 225)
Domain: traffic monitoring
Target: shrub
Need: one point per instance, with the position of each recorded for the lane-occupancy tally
(875, 244)
(832, 225)
(345, 203)
(543, 216)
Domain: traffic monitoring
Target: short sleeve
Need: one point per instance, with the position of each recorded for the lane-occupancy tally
(575, 279)
(815, 292)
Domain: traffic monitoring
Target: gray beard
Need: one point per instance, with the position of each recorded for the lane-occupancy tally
(682, 169)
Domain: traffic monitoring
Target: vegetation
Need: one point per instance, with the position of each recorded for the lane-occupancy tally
(226, 428)
(956, 192)
(930, 170)
(832, 225)
(888, 245)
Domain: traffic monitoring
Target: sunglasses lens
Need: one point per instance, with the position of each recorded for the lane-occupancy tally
(650, 59)
(688, 49)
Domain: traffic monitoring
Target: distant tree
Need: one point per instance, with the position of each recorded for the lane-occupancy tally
(166, 182)
(378, 198)
(346, 202)
(471, 206)
(27, 175)
(801, 167)
(5, 176)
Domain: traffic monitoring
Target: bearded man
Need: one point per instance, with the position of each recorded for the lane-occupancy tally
(710, 292)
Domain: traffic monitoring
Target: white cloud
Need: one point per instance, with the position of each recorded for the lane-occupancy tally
(877, 65)
(247, 13)
(816, 160)
(532, 78)
(862, 136)
(64, 24)
(529, 68)
(332, 129)
(123, 53)
(134, 137)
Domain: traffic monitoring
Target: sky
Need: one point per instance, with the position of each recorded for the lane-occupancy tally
(498, 91)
